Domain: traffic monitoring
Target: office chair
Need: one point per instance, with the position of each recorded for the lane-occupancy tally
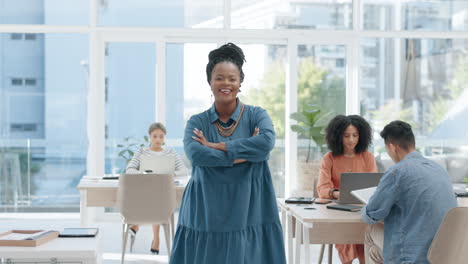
(450, 244)
(146, 199)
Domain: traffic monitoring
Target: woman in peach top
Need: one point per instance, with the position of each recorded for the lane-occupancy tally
(348, 138)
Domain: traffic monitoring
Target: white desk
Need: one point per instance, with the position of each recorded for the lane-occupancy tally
(60, 250)
(95, 192)
(322, 226)
(319, 226)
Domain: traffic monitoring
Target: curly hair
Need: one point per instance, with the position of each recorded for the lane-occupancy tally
(337, 126)
(226, 53)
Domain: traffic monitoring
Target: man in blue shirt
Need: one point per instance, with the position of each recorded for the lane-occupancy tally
(412, 199)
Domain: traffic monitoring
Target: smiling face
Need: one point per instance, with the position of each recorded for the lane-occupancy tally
(350, 138)
(157, 137)
(225, 82)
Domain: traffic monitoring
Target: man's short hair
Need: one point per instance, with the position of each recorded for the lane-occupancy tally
(399, 133)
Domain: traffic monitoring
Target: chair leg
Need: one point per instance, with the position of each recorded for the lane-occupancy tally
(172, 227)
(124, 242)
(322, 250)
(330, 253)
(167, 235)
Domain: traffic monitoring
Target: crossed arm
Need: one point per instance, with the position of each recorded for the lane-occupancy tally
(203, 153)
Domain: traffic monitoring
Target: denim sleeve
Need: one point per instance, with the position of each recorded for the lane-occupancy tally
(201, 155)
(257, 148)
(384, 198)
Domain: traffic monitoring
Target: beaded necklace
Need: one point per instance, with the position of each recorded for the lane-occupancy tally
(228, 131)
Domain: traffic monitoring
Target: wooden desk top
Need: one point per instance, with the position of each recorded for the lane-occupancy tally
(90, 182)
(321, 214)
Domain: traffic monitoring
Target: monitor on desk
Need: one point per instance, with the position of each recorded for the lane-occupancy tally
(351, 181)
(157, 164)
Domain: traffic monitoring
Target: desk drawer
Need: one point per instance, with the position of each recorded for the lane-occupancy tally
(102, 198)
(336, 233)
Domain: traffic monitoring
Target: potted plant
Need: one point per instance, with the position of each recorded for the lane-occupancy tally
(129, 146)
(311, 122)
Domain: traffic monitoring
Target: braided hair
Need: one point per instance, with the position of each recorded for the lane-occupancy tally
(226, 53)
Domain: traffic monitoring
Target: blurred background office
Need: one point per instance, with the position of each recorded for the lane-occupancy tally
(80, 81)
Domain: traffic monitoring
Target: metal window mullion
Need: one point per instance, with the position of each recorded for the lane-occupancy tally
(160, 99)
(227, 15)
(290, 144)
(96, 107)
(93, 13)
(352, 83)
(357, 15)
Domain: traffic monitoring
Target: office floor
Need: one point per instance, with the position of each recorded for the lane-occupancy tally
(111, 235)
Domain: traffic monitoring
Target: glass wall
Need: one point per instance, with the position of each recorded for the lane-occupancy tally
(130, 98)
(43, 100)
(277, 14)
(160, 13)
(47, 12)
(370, 68)
(434, 15)
(423, 82)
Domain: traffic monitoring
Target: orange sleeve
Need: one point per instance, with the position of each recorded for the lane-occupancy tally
(324, 183)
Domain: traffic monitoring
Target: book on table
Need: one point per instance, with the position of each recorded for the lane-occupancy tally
(364, 195)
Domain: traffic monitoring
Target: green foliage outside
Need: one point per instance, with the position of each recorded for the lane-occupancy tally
(315, 86)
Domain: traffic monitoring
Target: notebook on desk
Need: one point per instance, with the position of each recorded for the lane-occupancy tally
(79, 232)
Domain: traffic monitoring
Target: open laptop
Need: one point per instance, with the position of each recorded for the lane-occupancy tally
(157, 164)
(351, 181)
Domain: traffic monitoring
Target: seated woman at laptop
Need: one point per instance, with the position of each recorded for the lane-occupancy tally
(157, 134)
(348, 138)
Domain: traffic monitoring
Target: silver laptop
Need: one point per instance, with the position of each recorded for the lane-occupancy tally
(157, 164)
(354, 181)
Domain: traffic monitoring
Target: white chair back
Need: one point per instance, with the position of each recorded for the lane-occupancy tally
(146, 198)
(450, 244)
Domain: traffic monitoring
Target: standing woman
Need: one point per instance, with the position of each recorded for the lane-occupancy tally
(229, 213)
(348, 138)
(157, 136)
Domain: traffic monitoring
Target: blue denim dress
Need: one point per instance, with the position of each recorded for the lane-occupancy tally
(228, 213)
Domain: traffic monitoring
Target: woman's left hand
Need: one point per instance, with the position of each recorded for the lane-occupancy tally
(200, 138)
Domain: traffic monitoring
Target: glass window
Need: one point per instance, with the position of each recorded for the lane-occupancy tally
(172, 14)
(16, 36)
(431, 93)
(48, 12)
(321, 94)
(43, 141)
(265, 85)
(16, 81)
(436, 15)
(188, 92)
(131, 100)
(275, 14)
(30, 82)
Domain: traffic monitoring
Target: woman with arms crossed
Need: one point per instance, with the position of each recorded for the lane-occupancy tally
(229, 213)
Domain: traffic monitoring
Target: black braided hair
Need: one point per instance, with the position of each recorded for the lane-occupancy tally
(228, 52)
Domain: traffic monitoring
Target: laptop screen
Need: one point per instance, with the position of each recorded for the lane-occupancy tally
(354, 181)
